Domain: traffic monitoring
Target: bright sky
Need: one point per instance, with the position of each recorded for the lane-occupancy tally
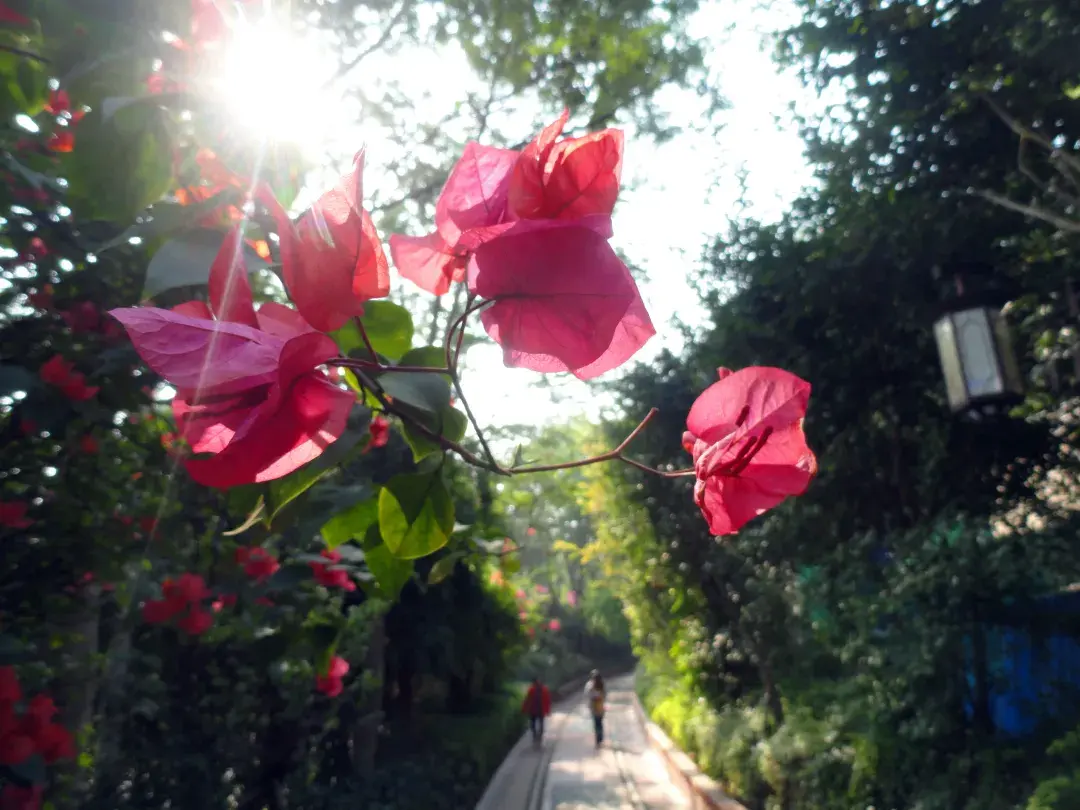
(680, 195)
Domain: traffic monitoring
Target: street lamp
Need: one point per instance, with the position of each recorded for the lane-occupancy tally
(977, 359)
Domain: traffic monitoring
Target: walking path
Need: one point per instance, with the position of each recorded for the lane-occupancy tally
(567, 772)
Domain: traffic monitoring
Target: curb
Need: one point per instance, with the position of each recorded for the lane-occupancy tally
(703, 792)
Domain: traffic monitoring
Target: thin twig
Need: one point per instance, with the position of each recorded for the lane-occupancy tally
(1029, 210)
(347, 68)
(26, 54)
(374, 365)
(366, 339)
(471, 306)
(663, 473)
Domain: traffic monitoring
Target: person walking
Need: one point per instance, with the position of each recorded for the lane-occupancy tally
(594, 696)
(537, 706)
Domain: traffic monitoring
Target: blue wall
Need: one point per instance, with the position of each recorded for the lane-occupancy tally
(1034, 669)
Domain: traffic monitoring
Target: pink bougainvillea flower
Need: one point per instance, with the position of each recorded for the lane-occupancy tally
(745, 433)
(35, 251)
(572, 598)
(332, 259)
(62, 141)
(555, 625)
(258, 563)
(567, 179)
(523, 615)
(331, 684)
(59, 372)
(83, 316)
(13, 516)
(564, 301)
(475, 196)
(196, 622)
(10, 17)
(15, 748)
(489, 188)
(59, 102)
(332, 577)
(379, 428)
(519, 594)
(541, 589)
(251, 402)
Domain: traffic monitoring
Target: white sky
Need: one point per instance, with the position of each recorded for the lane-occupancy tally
(682, 193)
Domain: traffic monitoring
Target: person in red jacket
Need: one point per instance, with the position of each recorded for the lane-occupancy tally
(537, 705)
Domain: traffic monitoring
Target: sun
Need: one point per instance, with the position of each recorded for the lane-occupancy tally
(278, 85)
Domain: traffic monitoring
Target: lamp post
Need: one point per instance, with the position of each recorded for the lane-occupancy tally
(977, 358)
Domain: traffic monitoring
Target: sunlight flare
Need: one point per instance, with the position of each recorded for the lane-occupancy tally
(277, 85)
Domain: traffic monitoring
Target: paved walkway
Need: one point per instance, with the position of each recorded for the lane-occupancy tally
(569, 773)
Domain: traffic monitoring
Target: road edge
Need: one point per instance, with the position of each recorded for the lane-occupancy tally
(703, 792)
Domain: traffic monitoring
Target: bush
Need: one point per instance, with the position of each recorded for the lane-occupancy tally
(451, 760)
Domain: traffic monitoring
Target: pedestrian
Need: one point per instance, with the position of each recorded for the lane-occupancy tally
(594, 696)
(537, 705)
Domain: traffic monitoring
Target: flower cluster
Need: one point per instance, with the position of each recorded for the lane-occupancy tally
(258, 563)
(26, 733)
(329, 576)
(527, 231)
(61, 373)
(331, 684)
(182, 595)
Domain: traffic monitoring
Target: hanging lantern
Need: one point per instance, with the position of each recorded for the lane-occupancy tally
(977, 359)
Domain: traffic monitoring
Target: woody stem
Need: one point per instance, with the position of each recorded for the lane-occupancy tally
(452, 350)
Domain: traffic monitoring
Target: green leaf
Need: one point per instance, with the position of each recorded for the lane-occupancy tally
(185, 261)
(122, 163)
(351, 342)
(416, 514)
(449, 423)
(352, 524)
(164, 218)
(430, 356)
(391, 573)
(426, 392)
(443, 568)
(389, 327)
(16, 378)
(285, 490)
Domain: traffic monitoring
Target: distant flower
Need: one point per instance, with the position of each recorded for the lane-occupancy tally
(13, 515)
(379, 428)
(258, 563)
(331, 684)
(332, 577)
